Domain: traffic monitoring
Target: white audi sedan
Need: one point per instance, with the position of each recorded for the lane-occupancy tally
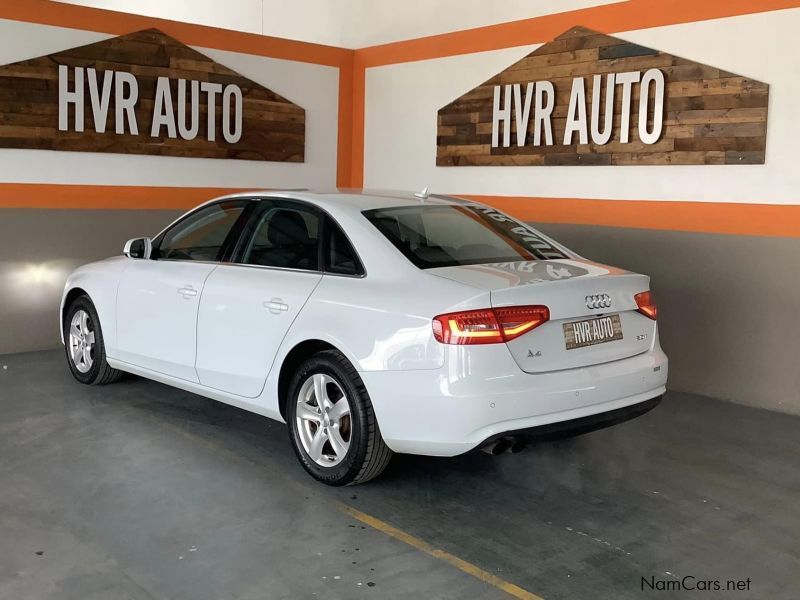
(372, 323)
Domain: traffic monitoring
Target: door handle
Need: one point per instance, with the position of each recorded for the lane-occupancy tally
(276, 306)
(187, 292)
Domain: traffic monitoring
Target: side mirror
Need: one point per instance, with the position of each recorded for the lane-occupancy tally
(138, 248)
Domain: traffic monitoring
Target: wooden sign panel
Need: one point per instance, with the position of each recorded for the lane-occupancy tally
(591, 99)
(145, 93)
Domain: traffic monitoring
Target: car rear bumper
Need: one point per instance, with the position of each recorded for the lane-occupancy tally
(482, 394)
(573, 427)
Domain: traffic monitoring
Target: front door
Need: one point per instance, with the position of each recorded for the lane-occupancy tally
(157, 315)
(158, 298)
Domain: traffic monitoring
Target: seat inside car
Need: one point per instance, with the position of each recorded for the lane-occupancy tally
(284, 241)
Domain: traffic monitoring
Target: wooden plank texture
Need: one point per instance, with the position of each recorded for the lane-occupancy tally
(711, 116)
(273, 128)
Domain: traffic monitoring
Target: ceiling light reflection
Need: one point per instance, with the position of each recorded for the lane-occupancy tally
(27, 277)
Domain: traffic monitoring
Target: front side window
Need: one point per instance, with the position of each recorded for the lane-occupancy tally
(451, 235)
(285, 235)
(201, 235)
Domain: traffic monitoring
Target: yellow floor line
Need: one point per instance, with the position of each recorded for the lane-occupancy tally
(509, 588)
(501, 584)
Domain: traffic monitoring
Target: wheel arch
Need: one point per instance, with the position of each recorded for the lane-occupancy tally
(73, 294)
(293, 359)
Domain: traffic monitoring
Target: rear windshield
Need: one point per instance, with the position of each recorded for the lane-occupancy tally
(452, 235)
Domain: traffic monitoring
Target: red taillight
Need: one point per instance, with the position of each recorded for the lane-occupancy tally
(647, 304)
(516, 320)
(488, 325)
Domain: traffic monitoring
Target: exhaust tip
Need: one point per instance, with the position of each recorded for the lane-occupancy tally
(518, 446)
(501, 446)
(497, 447)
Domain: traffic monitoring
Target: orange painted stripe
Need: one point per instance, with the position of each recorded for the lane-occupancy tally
(705, 217)
(46, 12)
(607, 18)
(107, 197)
(344, 140)
(776, 220)
(357, 123)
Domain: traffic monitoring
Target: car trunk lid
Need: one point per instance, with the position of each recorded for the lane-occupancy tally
(593, 312)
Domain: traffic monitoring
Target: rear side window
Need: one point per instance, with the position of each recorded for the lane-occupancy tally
(202, 234)
(286, 235)
(452, 235)
(340, 256)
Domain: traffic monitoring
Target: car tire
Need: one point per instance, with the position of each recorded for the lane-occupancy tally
(352, 450)
(84, 345)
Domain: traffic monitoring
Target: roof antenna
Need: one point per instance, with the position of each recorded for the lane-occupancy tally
(423, 195)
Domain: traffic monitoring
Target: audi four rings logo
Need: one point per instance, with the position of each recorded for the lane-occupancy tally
(598, 301)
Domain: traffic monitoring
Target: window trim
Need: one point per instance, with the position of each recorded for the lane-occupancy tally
(414, 259)
(233, 246)
(233, 234)
(326, 232)
(248, 230)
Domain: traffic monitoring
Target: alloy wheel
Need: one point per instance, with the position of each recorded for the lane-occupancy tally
(323, 420)
(81, 341)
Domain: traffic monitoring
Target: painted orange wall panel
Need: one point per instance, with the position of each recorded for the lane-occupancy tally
(607, 18)
(357, 124)
(707, 217)
(344, 142)
(106, 197)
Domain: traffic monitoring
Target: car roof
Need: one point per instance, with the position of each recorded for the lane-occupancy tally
(354, 199)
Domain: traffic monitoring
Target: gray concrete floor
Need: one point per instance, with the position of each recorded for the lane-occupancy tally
(137, 490)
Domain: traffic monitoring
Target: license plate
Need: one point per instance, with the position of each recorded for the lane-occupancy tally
(579, 334)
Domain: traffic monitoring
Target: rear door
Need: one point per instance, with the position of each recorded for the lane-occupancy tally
(248, 305)
(158, 298)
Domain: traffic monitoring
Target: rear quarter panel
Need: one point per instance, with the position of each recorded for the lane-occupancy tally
(379, 323)
(383, 323)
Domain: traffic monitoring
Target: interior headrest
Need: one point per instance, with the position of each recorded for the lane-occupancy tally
(288, 227)
(390, 226)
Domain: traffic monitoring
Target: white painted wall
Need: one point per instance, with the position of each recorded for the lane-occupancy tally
(402, 102)
(239, 15)
(375, 22)
(313, 87)
(343, 23)
(318, 21)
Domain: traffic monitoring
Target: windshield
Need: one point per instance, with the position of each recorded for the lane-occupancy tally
(452, 235)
